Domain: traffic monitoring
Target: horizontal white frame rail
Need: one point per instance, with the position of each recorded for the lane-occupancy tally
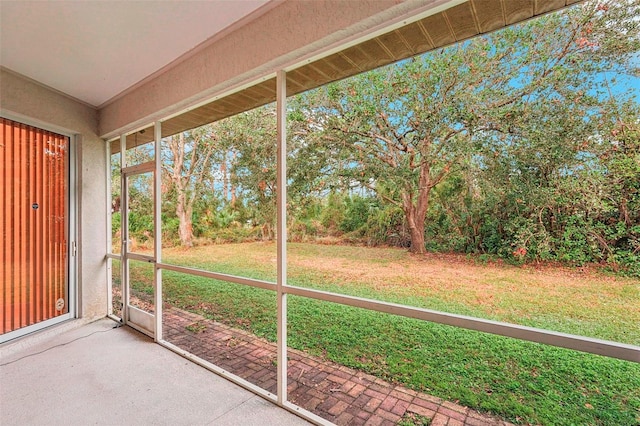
(219, 276)
(141, 257)
(531, 334)
(595, 346)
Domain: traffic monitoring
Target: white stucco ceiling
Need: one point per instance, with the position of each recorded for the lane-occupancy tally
(95, 49)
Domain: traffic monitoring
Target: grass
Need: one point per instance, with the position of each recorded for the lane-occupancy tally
(520, 381)
(413, 419)
(560, 299)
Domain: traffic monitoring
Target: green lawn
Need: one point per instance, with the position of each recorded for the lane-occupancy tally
(520, 381)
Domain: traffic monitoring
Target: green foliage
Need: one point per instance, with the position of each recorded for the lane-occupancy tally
(357, 212)
(333, 215)
(116, 221)
(386, 226)
(170, 235)
(139, 225)
(574, 245)
(413, 419)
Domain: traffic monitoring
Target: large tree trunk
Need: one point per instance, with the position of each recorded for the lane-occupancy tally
(231, 180)
(225, 179)
(184, 213)
(416, 229)
(416, 211)
(187, 177)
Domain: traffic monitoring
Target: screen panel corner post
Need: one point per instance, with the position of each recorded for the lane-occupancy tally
(157, 217)
(281, 226)
(114, 227)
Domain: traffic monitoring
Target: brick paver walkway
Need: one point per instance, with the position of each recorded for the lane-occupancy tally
(339, 394)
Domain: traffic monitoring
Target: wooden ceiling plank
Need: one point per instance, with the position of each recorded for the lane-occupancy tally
(249, 96)
(517, 10)
(489, 14)
(461, 20)
(359, 57)
(378, 56)
(235, 101)
(301, 77)
(294, 89)
(415, 38)
(267, 88)
(341, 65)
(544, 6)
(394, 45)
(292, 79)
(316, 68)
(438, 30)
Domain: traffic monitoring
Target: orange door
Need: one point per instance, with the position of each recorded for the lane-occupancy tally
(33, 223)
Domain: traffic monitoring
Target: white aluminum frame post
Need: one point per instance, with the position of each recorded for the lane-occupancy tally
(281, 229)
(157, 230)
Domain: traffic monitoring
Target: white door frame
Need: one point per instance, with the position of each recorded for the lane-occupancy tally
(137, 318)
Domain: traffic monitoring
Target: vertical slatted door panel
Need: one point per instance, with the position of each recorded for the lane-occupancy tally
(33, 253)
(5, 219)
(22, 243)
(57, 217)
(37, 224)
(34, 259)
(43, 215)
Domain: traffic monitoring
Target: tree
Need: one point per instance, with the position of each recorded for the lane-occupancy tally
(249, 139)
(187, 163)
(403, 129)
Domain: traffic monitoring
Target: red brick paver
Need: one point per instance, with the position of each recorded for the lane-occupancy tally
(339, 394)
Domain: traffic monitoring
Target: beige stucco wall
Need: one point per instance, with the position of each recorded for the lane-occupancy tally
(281, 36)
(39, 105)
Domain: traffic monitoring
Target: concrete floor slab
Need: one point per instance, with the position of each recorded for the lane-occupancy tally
(97, 374)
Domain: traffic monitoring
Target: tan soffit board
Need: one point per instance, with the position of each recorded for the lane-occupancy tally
(453, 25)
(244, 100)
